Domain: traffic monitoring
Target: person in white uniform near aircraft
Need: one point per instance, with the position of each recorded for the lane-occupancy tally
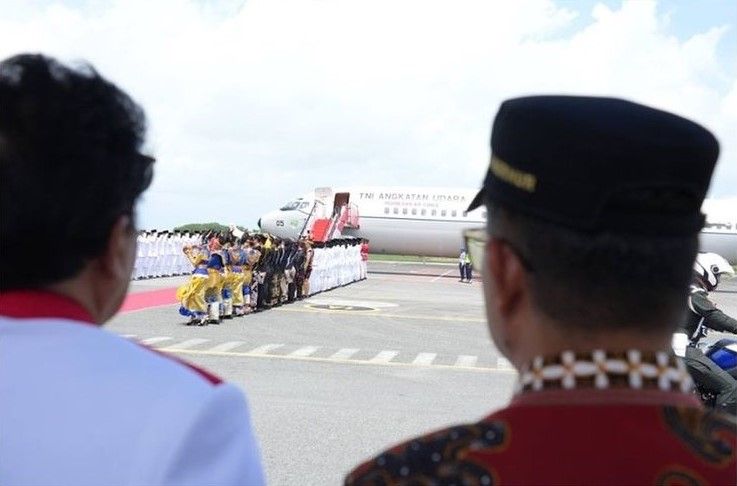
(79, 405)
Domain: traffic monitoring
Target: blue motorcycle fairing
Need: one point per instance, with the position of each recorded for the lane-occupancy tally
(724, 357)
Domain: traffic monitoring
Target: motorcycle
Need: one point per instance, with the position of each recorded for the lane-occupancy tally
(722, 352)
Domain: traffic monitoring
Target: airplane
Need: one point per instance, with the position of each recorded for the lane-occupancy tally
(429, 221)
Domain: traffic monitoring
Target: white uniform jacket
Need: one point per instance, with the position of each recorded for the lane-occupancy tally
(82, 406)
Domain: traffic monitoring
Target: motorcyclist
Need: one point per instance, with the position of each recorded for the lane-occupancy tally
(709, 270)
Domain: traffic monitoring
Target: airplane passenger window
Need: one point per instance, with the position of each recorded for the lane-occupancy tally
(424, 212)
(454, 213)
(465, 214)
(386, 210)
(434, 212)
(396, 210)
(404, 210)
(290, 206)
(483, 215)
(414, 211)
(443, 212)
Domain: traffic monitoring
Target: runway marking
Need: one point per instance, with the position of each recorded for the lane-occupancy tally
(344, 353)
(467, 360)
(305, 351)
(441, 276)
(381, 314)
(384, 356)
(358, 362)
(265, 349)
(189, 343)
(226, 346)
(425, 359)
(155, 340)
(341, 307)
(361, 303)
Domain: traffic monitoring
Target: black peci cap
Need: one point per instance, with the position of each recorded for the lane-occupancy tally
(596, 164)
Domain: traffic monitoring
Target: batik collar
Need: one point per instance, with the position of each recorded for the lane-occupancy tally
(604, 370)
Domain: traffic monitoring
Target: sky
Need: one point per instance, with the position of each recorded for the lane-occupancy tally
(253, 103)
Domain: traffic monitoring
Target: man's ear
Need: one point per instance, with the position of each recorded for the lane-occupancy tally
(507, 277)
(117, 259)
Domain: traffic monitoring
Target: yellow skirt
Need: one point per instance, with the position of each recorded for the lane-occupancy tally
(192, 294)
(215, 282)
(234, 282)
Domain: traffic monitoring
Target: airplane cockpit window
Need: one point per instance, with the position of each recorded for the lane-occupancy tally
(304, 205)
(290, 206)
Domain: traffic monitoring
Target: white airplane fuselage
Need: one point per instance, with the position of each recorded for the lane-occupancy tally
(430, 221)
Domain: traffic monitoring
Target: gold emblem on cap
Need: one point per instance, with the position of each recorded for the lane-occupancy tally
(510, 175)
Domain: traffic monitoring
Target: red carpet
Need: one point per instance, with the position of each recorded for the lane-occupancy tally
(148, 299)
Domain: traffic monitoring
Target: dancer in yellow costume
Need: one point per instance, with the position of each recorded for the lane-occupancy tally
(214, 288)
(192, 294)
(250, 286)
(233, 287)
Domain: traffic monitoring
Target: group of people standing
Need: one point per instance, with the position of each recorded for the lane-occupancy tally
(159, 253)
(234, 276)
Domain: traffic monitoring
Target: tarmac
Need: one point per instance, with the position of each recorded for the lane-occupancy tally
(336, 378)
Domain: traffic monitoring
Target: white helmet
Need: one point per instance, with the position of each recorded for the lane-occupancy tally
(711, 268)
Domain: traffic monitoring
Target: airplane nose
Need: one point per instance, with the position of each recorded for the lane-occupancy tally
(259, 223)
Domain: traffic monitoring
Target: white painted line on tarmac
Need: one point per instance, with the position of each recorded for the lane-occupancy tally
(226, 346)
(425, 359)
(305, 351)
(467, 360)
(265, 349)
(344, 353)
(384, 357)
(189, 343)
(154, 340)
(356, 362)
(441, 276)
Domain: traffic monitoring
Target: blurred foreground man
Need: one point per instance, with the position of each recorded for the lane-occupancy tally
(78, 405)
(594, 211)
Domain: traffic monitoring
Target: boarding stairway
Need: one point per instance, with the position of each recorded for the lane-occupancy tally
(324, 229)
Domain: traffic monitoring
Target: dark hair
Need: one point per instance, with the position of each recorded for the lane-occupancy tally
(70, 166)
(600, 280)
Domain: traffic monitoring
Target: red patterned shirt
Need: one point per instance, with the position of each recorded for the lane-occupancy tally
(633, 427)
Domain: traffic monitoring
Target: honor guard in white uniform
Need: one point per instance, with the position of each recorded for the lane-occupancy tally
(139, 266)
(152, 255)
